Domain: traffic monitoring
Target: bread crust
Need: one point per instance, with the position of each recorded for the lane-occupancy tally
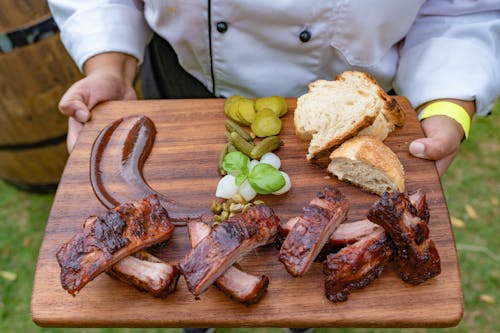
(394, 114)
(390, 107)
(379, 120)
(374, 152)
(379, 129)
(337, 141)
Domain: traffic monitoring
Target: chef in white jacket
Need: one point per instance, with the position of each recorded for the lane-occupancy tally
(428, 51)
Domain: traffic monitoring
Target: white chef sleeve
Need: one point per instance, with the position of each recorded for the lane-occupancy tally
(452, 51)
(91, 27)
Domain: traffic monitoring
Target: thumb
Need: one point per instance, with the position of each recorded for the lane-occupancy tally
(428, 148)
(443, 137)
(74, 128)
(433, 149)
(74, 106)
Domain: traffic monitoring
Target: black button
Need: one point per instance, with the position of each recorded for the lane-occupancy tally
(221, 27)
(305, 36)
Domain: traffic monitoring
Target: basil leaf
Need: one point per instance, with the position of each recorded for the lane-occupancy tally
(265, 179)
(240, 179)
(236, 163)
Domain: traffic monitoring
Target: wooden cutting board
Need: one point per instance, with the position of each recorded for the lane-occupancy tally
(183, 165)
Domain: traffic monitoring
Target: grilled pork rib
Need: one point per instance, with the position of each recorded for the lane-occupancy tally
(417, 255)
(356, 265)
(107, 238)
(351, 232)
(235, 283)
(312, 230)
(370, 250)
(147, 273)
(226, 243)
(419, 201)
(346, 233)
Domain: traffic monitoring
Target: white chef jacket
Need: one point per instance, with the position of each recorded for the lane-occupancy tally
(425, 50)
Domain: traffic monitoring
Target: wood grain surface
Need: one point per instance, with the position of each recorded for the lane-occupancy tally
(182, 165)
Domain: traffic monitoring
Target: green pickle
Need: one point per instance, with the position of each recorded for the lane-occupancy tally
(275, 103)
(266, 123)
(241, 144)
(232, 126)
(267, 145)
(246, 111)
(242, 111)
(229, 101)
(222, 154)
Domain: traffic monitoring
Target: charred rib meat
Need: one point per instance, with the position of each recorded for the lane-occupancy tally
(351, 232)
(107, 238)
(241, 286)
(312, 230)
(356, 265)
(147, 273)
(419, 201)
(346, 233)
(226, 243)
(237, 284)
(417, 255)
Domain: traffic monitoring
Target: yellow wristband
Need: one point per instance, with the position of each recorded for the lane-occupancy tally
(449, 109)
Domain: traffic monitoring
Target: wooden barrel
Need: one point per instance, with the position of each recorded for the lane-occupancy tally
(35, 71)
(14, 14)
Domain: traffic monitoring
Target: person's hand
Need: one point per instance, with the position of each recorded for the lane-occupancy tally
(109, 77)
(443, 138)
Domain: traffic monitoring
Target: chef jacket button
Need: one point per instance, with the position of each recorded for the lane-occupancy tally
(305, 36)
(221, 27)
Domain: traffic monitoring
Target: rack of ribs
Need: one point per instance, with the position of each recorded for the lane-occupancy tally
(312, 230)
(110, 237)
(147, 273)
(351, 232)
(226, 244)
(356, 265)
(366, 255)
(417, 255)
(235, 283)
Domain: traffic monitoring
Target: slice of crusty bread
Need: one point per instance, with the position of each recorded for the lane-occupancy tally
(393, 114)
(333, 111)
(367, 162)
(379, 129)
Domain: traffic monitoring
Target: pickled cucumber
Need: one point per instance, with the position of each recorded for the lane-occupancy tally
(241, 144)
(275, 103)
(232, 126)
(266, 123)
(229, 101)
(242, 111)
(222, 154)
(267, 145)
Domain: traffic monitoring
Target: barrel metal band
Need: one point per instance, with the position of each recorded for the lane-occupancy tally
(33, 145)
(28, 35)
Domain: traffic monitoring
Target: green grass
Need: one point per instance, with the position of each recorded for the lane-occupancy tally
(472, 191)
